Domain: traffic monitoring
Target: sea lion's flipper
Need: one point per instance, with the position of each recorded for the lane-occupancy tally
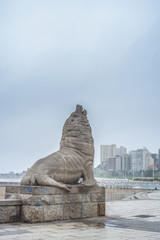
(88, 177)
(43, 180)
(46, 180)
(88, 183)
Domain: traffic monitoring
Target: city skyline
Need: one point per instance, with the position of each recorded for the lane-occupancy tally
(103, 55)
(113, 158)
(120, 146)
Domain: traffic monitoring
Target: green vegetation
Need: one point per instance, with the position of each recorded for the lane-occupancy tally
(146, 179)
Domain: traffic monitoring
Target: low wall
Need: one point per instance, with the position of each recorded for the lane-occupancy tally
(119, 194)
(10, 210)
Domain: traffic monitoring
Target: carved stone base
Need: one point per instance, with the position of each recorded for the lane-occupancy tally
(43, 204)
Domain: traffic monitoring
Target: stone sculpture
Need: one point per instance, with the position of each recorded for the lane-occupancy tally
(72, 162)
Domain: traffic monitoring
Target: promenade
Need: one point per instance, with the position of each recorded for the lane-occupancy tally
(125, 219)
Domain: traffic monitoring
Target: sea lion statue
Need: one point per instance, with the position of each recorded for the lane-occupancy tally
(72, 162)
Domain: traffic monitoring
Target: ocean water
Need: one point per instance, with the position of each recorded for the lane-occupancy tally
(10, 180)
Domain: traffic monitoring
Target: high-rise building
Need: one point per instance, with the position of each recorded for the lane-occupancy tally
(111, 164)
(141, 159)
(126, 162)
(107, 151)
(121, 151)
(158, 158)
(118, 163)
(155, 157)
(149, 161)
(112, 156)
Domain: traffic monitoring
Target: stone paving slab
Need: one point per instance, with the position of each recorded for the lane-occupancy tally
(154, 195)
(147, 210)
(95, 229)
(83, 232)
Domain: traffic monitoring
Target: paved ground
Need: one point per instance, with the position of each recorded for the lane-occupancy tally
(130, 219)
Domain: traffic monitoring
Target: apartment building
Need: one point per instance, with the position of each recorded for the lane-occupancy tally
(141, 159)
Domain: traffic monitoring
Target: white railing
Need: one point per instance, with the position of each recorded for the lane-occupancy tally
(127, 184)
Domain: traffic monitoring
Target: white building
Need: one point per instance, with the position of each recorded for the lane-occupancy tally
(121, 151)
(140, 159)
(107, 151)
(149, 161)
(112, 152)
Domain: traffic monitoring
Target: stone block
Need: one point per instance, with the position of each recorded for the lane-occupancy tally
(95, 190)
(12, 189)
(97, 197)
(78, 198)
(60, 199)
(43, 190)
(37, 190)
(72, 211)
(11, 196)
(53, 213)
(72, 198)
(39, 200)
(10, 202)
(88, 197)
(32, 214)
(101, 209)
(34, 190)
(89, 210)
(9, 214)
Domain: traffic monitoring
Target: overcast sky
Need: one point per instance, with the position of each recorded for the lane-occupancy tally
(54, 54)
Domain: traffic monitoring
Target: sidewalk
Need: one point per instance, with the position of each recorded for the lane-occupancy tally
(134, 219)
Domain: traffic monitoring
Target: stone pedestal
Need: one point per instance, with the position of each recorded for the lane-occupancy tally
(43, 204)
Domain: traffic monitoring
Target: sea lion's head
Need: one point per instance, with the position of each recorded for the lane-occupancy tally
(77, 132)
